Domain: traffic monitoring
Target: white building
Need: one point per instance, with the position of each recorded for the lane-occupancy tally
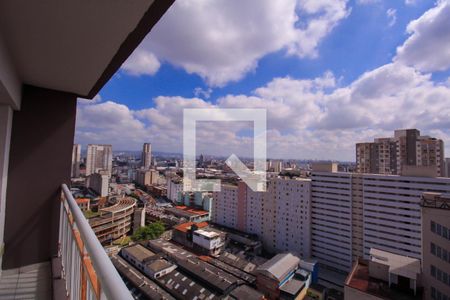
(209, 240)
(99, 183)
(225, 206)
(174, 189)
(352, 213)
(331, 219)
(99, 157)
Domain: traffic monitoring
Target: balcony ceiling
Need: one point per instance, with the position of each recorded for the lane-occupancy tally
(74, 46)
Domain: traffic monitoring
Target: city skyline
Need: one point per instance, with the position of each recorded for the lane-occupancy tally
(321, 98)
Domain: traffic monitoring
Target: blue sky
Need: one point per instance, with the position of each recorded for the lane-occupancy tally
(310, 59)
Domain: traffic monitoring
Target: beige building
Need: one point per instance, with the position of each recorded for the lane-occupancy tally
(99, 157)
(147, 177)
(406, 149)
(436, 245)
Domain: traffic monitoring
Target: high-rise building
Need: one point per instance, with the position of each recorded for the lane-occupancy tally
(76, 157)
(99, 182)
(396, 155)
(436, 245)
(146, 158)
(99, 157)
(446, 167)
(280, 217)
(352, 213)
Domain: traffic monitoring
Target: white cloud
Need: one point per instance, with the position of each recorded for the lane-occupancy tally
(141, 62)
(366, 2)
(307, 118)
(391, 14)
(428, 46)
(205, 93)
(410, 2)
(97, 98)
(222, 40)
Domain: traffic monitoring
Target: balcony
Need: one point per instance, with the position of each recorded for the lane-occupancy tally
(53, 54)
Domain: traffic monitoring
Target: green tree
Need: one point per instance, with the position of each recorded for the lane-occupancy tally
(150, 232)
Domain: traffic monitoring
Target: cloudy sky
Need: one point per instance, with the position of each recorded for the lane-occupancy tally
(329, 72)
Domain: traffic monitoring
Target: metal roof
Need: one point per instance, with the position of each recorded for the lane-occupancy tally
(279, 266)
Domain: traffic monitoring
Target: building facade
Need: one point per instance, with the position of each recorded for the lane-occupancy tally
(147, 177)
(99, 157)
(76, 159)
(99, 182)
(352, 213)
(146, 157)
(393, 155)
(280, 217)
(436, 245)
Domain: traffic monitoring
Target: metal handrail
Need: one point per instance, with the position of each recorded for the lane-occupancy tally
(111, 283)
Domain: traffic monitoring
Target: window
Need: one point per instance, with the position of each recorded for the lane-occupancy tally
(433, 226)
(433, 271)
(433, 248)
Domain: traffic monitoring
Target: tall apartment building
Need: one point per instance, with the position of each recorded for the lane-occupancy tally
(76, 158)
(99, 157)
(146, 158)
(446, 167)
(394, 155)
(225, 206)
(147, 177)
(352, 213)
(99, 182)
(331, 218)
(280, 217)
(174, 189)
(436, 245)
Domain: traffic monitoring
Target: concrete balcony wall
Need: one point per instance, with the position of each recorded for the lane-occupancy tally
(40, 158)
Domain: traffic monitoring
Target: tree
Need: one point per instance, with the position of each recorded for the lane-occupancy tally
(150, 232)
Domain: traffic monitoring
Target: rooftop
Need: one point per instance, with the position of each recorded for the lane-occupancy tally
(208, 234)
(279, 266)
(139, 252)
(183, 287)
(158, 265)
(187, 226)
(399, 265)
(293, 286)
(361, 280)
(246, 292)
(436, 200)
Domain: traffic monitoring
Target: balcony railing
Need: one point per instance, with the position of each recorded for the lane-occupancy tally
(86, 268)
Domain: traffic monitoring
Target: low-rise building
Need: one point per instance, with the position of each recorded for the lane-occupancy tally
(208, 241)
(83, 203)
(183, 233)
(384, 276)
(278, 277)
(190, 214)
(153, 265)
